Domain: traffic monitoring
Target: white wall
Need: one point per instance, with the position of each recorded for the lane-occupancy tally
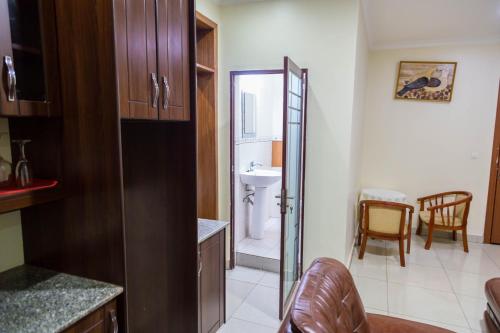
(361, 74)
(423, 147)
(319, 35)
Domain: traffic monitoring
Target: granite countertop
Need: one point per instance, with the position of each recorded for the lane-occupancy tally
(38, 300)
(208, 228)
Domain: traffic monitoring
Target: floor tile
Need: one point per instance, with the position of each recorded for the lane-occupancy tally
(371, 266)
(473, 308)
(468, 284)
(241, 326)
(270, 280)
(245, 274)
(275, 253)
(236, 293)
(373, 292)
(261, 306)
(493, 252)
(419, 276)
(418, 255)
(426, 304)
(478, 264)
(375, 311)
(457, 329)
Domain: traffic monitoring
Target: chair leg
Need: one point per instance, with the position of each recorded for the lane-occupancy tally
(419, 228)
(464, 239)
(402, 251)
(363, 246)
(429, 237)
(408, 243)
(358, 241)
(454, 235)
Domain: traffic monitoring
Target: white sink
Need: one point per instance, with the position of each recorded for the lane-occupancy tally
(258, 211)
(260, 177)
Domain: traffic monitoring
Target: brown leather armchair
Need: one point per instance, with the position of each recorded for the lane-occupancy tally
(492, 313)
(327, 302)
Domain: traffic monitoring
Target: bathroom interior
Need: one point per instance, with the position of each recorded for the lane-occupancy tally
(258, 142)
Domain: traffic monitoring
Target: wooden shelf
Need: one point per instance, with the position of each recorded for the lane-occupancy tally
(204, 69)
(27, 197)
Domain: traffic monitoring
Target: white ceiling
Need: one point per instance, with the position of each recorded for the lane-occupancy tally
(417, 23)
(420, 23)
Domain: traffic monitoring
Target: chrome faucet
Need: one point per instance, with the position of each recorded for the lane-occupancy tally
(253, 165)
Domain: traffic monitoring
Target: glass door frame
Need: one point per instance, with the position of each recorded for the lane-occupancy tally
(285, 303)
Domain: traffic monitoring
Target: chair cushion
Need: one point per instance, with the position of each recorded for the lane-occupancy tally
(425, 216)
(385, 220)
(386, 324)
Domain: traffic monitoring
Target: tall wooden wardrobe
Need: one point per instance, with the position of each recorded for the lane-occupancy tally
(129, 217)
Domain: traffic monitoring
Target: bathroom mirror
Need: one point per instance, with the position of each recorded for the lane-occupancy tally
(248, 105)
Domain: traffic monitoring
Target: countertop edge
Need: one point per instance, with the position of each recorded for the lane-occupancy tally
(215, 225)
(85, 313)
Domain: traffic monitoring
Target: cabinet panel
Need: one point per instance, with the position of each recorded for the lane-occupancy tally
(212, 283)
(100, 321)
(173, 59)
(27, 36)
(7, 107)
(135, 35)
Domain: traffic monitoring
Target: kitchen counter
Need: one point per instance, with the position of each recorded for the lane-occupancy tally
(38, 300)
(208, 228)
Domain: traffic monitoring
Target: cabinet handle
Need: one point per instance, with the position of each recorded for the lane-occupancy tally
(114, 321)
(156, 89)
(200, 268)
(166, 92)
(11, 78)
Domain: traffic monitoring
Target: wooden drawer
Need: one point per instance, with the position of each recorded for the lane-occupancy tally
(102, 320)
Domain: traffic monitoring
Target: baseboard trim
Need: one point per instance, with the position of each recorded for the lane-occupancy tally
(351, 254)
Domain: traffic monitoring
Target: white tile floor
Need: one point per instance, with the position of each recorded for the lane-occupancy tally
(443, 286)
(252, 301)
(268, 247)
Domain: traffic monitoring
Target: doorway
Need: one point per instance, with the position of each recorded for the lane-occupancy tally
(492, 225)
(268, 118)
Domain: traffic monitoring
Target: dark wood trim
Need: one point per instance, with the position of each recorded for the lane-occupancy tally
(305, 72)
(492, 187)
(232, 77)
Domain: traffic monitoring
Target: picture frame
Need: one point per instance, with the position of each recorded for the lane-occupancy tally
(431, 81)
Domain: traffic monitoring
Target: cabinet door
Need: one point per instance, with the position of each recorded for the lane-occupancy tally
(212, 284)
(29, 58)
(173, 59)
(135, 37)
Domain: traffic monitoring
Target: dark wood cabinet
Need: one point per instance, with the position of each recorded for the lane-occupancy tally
(211, 284)
(129, 217)
(152, 50)
(102, 320)
(28, 50)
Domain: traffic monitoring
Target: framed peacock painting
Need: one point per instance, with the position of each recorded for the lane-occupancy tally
(426, 80)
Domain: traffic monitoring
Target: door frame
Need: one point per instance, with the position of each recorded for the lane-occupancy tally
(492, 188)
(232, 77)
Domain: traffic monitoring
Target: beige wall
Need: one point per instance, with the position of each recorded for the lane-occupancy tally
(423, 147)
(361, 74)
(11, 239)
(319, 35)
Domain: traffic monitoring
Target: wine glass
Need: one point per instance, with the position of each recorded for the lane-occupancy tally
(24, 174)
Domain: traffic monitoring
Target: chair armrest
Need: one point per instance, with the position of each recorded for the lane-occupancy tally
(449, 204)
(432, 196)
(387, 204)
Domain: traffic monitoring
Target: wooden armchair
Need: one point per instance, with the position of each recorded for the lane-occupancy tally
(385, 220)
(445, 211)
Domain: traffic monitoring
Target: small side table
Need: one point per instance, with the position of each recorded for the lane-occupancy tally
(382, 195)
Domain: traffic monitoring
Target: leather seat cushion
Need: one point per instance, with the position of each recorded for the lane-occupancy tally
(425, 216)
(386, 324)
(492, 290)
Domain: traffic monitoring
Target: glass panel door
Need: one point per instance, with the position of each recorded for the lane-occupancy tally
(291, 193)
